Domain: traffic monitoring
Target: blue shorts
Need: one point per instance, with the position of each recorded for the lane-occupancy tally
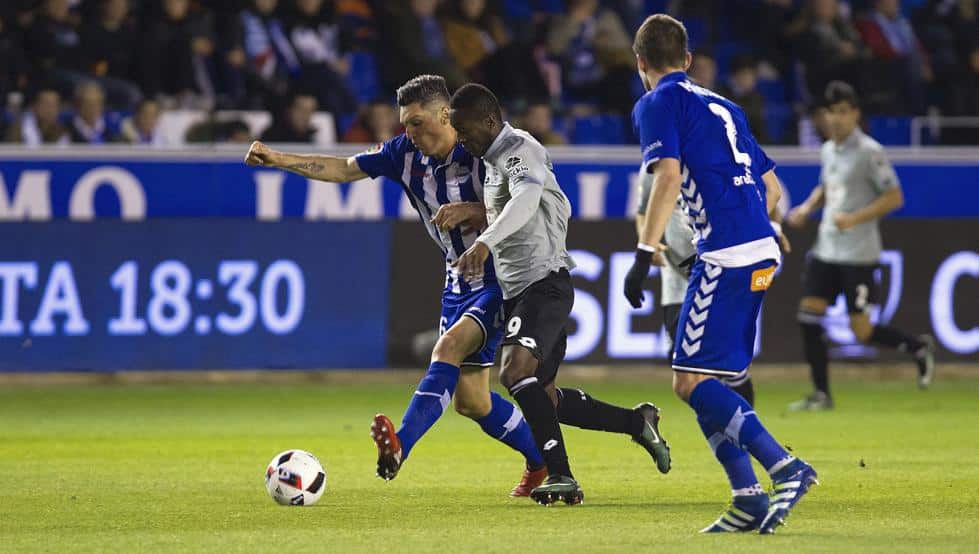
(485, 307)
(716, 330)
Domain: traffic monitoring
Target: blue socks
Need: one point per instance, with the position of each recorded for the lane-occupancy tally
(431, 399)
(725, 412)
(736, 462)
(506, 424)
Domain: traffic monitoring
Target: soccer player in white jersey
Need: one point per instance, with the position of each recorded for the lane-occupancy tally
(528, 217)
(445, 185)
(698, 143)
(857, 186)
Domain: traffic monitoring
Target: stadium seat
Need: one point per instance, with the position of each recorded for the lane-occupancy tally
(772, 90)
(362, 78)
(778, 121)
(599, 129)
(890, 130)
(724, 52)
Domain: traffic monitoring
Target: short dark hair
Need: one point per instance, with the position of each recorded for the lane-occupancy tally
(661, 41)
(477, 102)
(838, 91)
(423, 89)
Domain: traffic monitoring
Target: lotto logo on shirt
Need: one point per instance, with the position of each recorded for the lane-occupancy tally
(514, 166)
(761, 279)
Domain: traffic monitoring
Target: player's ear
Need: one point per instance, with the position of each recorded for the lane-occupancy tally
(444, 114)
(689, 60)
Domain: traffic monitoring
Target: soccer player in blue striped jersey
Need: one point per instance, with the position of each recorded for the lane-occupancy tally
(445, 185)
(698, 143)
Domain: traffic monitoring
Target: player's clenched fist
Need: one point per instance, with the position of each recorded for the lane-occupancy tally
(469, 214)
(260, 154)
(470, 265)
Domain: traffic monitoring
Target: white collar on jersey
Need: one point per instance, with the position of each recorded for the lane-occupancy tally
(851, 141)
(505, 131)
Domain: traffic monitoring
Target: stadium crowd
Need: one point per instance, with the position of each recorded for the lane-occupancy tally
(98, 71)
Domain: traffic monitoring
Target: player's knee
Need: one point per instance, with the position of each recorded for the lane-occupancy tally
(812, 306)
(450, 348)
(517, 363)
(684, 383)
(862, 328)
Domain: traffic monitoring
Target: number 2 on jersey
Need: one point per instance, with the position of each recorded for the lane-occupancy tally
(732, 133)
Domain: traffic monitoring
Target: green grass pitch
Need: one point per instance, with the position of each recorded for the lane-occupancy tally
(179, 468)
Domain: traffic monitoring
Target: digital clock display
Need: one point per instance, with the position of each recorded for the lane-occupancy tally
(193, 294)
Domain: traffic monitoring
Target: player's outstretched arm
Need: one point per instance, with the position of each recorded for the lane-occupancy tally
(797, 216)
(314, 166)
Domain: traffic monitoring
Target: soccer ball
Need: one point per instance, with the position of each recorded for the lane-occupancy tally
(296, 478)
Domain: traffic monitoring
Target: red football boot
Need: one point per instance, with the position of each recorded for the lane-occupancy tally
(388, 447)
(531, 480)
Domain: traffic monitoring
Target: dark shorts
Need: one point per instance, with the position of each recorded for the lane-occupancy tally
(536, 319)
(828, 280)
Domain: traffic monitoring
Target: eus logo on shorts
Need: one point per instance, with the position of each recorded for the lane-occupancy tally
(761, 279)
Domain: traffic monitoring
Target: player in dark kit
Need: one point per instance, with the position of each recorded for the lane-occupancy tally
(857, 186)
(698, 144)
(528, 223)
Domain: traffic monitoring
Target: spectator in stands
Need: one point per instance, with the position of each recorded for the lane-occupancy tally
(271, 61)
(742, 88)
(318, 43)
(52, 44)
(144, 125)
(294, 124)
(377, 122)
(357, 18)
(236, 131)
(13, 70)
(814, 129)
(829, 46)
(109, 50)
(89, 126)
(471, 33)
(416, 44)
(964, 100)
(893, 44)
(479, 42)
(596, 53)
(41, 124)
(538, 120)
(703, 70)
(177, 53)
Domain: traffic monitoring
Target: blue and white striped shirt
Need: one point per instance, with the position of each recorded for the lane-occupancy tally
(430, 183)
